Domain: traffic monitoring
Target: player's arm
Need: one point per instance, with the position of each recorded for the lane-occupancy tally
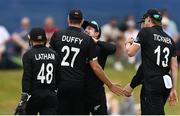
(136, 80)
(99, 71)
(173, 99)
(27, 73)
(26, 84)
(104, 78)
(131, 47)
(108, 48)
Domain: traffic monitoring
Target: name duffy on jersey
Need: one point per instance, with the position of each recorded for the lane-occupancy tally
(71, 39)
(43, 56)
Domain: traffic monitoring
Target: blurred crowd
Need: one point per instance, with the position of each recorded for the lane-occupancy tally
(13, 45)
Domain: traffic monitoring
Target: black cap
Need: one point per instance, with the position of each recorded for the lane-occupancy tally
(153, 13)
(142, 19)
(75, 14)
(93, 24)
(37, 34)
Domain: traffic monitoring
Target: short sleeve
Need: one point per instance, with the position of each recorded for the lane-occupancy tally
(92, 54)
(141, 36)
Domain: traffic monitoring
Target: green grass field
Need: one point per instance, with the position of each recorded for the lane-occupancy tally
(10, 88)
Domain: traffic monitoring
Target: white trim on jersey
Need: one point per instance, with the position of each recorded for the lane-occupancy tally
(137, 43)
(95, 58)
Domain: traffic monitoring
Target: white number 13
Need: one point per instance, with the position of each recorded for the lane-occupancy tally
(158, 52)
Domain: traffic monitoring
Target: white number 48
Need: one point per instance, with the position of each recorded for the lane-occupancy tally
(49, 75)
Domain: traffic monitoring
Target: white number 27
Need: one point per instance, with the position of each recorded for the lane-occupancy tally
(67, 49)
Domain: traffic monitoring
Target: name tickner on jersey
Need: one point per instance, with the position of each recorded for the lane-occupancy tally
(43, 56)
(71, 39)
(162, 39)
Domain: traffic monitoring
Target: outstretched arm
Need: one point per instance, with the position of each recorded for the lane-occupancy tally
(173, 99)
(104, 78)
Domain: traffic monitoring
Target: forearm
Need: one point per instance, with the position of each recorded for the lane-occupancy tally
(138, 78)
(130, 49)
(174, 73)
(103, 77)
(101, 74)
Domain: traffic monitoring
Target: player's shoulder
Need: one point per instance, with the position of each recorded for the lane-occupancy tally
(51, 50)
(143, 31)
(88, 38)
(146, 29)
(28, 53)
(60, 32)
(85, 35)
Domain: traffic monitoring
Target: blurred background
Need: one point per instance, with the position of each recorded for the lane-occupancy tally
(117, 19)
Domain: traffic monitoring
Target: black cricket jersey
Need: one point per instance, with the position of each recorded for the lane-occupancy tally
(74, 48)
(39, 69)
(157, 49)
(103, 50)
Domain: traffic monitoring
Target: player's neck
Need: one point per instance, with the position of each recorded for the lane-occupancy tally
(152, 24)
(75, 25)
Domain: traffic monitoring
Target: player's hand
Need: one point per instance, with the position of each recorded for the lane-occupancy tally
(129, 40)
(21, 108)
(173, 99)
(116, 89)
(128, 90)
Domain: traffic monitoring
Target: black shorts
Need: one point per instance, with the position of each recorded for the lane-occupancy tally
(71, 99)
(43, 102)
(153, 102)
(95, 101)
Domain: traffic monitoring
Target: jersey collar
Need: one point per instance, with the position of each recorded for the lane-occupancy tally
(74, 28)
(37, 46)
(158, 27)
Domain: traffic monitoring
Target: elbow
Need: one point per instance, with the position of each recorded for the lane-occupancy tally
(95, 67)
